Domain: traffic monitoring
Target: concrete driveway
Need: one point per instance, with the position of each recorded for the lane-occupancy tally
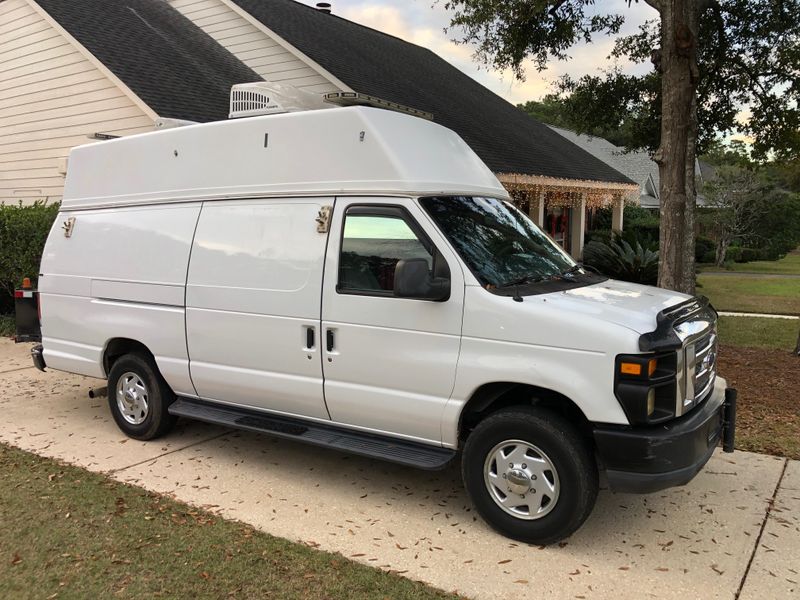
(734, 532)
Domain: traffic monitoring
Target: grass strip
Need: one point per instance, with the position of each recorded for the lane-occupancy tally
(773, 295)
(759, 332)
(788, 265)
(69, 533)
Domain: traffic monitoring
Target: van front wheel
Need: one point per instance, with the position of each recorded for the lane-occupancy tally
(139, 398)
(530, 474)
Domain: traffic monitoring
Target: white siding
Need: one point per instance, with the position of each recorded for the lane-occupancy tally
(51, 98)
(252, 45)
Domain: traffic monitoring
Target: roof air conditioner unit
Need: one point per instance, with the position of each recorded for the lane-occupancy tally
(269, 98)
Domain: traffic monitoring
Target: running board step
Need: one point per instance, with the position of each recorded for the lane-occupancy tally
(394, 450)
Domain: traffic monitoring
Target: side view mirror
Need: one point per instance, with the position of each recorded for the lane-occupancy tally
(412, 279)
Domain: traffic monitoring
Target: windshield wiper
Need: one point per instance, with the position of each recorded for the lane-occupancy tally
(522, 281)
(573, 269)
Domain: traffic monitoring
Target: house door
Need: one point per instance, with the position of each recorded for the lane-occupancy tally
(557, 225)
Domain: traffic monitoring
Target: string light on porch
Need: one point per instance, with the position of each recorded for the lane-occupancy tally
(566, 192)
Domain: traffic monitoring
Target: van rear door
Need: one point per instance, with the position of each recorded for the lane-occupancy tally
(253, 304)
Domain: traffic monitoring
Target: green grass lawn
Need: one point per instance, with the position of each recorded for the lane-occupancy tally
(788, 265)
(754, 332)
(774, 295)
(68, 533)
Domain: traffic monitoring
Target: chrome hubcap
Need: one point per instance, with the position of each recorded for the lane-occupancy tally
(132, 399)
(521, 479)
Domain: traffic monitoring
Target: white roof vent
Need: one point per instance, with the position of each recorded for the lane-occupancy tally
(270, 98)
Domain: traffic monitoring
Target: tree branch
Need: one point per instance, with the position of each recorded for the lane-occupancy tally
(555, 7)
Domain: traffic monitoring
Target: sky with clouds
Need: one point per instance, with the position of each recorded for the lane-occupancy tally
(423, 22)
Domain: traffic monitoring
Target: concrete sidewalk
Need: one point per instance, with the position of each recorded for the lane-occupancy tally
(734, 532)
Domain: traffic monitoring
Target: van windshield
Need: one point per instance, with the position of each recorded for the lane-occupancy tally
(501, 245)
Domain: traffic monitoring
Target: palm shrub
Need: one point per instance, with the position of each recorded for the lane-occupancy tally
(623, 259)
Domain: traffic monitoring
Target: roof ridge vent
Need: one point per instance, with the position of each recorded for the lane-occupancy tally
(270, 98)
(324, 7)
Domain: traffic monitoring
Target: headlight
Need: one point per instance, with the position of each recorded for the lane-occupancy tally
(645, 385)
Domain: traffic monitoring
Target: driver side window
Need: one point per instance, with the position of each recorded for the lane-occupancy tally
(372, 245)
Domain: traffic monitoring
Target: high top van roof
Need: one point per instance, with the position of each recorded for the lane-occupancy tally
(337, 151)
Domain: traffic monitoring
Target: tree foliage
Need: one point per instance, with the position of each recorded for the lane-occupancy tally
(748, 61)
(728, 196)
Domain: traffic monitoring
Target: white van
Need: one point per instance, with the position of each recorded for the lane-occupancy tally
(358, 279)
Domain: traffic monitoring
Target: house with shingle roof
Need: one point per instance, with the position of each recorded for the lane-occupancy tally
(72, 71)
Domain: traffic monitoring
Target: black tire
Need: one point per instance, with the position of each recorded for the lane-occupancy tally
(157, 421)
(565, 448)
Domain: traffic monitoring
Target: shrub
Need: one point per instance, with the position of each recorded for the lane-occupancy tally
(734, 253)
(598, 235)
(751, 254)
(709, 257)
(620, 259)
(23, 231)
(704, 246)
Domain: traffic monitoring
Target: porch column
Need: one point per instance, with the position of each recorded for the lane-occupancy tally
(537, 210)
(617, 210)
(577, 227)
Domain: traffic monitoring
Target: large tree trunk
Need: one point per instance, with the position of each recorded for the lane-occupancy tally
(675, 154)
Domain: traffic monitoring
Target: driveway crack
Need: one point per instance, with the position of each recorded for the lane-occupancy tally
(173, 451)
(770, 505)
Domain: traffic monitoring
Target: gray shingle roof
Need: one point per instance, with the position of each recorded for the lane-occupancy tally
(166, 60)
(374, 63)
(638, 166)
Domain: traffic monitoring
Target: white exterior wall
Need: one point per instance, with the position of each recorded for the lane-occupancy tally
(51, 98)
(248, 40)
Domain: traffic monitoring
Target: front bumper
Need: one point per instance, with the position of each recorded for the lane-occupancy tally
(649, 459)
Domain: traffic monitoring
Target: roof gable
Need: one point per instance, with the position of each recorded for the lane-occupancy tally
(371, 62)
(166, 60)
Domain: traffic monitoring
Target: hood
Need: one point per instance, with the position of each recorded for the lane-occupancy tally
(628, 304)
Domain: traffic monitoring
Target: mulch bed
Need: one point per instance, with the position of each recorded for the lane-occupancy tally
(768, 381)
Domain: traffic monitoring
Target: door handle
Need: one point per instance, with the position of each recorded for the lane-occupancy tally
(329, 340)
(309, 338)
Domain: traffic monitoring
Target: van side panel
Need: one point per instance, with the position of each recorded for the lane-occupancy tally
(253, 304)
(120, 274)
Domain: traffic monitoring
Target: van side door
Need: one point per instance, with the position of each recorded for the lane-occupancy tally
(253, 304)
(389, 362)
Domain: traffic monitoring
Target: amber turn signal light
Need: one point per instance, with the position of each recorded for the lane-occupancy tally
(630, 368)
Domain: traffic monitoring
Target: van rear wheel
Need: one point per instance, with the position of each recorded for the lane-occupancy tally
(530, 474)
(139, 397)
